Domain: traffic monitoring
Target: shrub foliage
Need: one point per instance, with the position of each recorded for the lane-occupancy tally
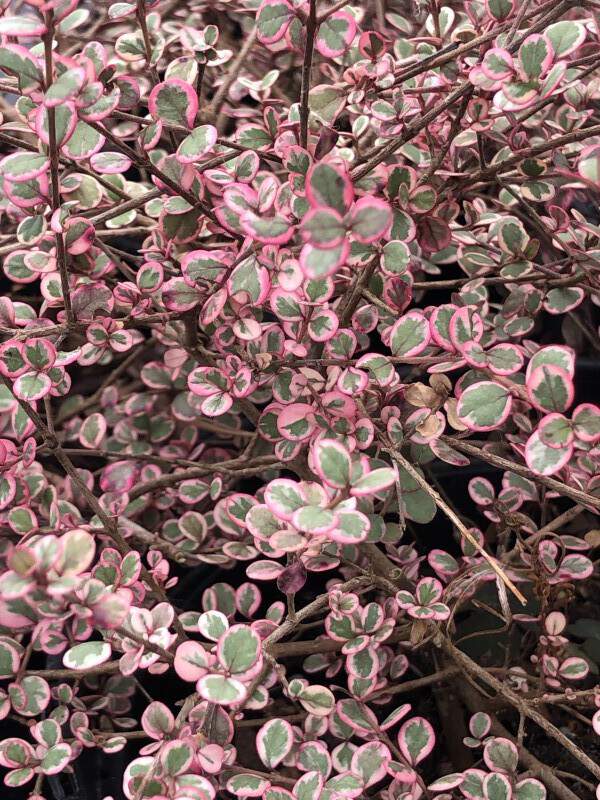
(274, 269)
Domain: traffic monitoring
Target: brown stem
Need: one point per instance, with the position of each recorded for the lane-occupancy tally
(386, 150)
(545, 773)
(146, 163)
(520, 704)
(61, 253)
(517, 21)
(531, 152)
(109, 524)
(520, 469)
(355, 291)
(233, 72)
(329, 11)
(140, 14)
(109, 668)
(419, 683)
(453, 517)
(311, 29)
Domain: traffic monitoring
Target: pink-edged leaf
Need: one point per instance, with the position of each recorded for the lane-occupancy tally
(175, 102)
(565, 37)
(445, 565)
(157, 720)
(480, 724)
(40, 354)
(216, 405)
(191, 661)
(79, 235)
(447, 782)
(19, 167)
(497, 64)
(239, 650)
(369, 219)
(175, 757)
(550, 388)
(221, 690)
(332, 462)
(15, 752)
(263, 570)
(505, 359)
(65, 122)
(501, 755)
(554, 355)
(398, 714)
(268, 230)
(535, 56)
(357, 715)
(481, 491)
(309, 786)
(472, 786)
(315, 520)
(283, 496)
(32, 386)
(466, 325)
(213, 624)
(317, 262)
(416, 739)
(110, 163)
(555, 430)
(375, 481)
(93, 431)
(274, 741)
(370, 762)
(296, 422)
(433, 233)
(12, 359)
(65, 87)
(329, 186)
(497, 786)
(323, 325)
(200, 141)
(574, 669)
(247, 599)
(561, 300)
(586, 422)
(18, 62)
(352, 528)
(323, 228)
(484, 406)
(410, 334)
(428, 591)
(530, 789)
(206, 381)
(273, 19)
(440, 326)
(575, 567)
(87, 655)
(178, 295)
(335, 35)
(543, 459)
(246, 784)
(150, 276)
(21, 26)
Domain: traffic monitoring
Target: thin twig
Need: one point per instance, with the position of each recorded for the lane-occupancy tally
(232, 73)
(521, 705)
(311, 29)
(109, 524)
(61, 252)
(519, 469)
(453, 517)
